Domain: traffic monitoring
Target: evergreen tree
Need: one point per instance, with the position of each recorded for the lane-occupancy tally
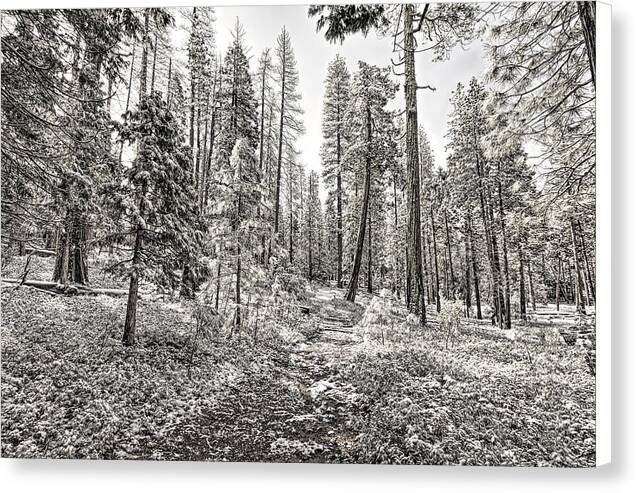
(314, 222)
(335, 103)
(158, 200)
(237, 187)
(289, 111)
(370, 150)
(443, 26)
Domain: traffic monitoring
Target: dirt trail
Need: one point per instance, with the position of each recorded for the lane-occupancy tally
(301, 414)
(314, 371)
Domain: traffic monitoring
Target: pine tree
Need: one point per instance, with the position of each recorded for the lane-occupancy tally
(159, 201)
(237, 188)
(314, 221)
(335, 103)
(289, 111)
(370, 150)
(443, 26)
(545, 74)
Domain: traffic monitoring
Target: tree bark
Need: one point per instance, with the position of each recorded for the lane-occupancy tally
(370, 288)
(491, 248)
(467, 272)
(192, 106)
(339, 206)
(71, 266)
(170, 75)
(413, 167)
(309, 229)
(587, 12)
(130, 324)
(498, 267)
(507, 276)
(522, 284)
(131, 306)
(397, 276)
(280, 154)
(452, 278)
(218, 283)
(474, 267)
(589, 277)
(152, 76)
(557, 284)
(579, 286)
(360, 240)
(435, 255)
(262, 119)
(130, 85)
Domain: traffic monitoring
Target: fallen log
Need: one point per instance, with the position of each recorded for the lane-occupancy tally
(331, 329)
(40, 252)
(71, 289)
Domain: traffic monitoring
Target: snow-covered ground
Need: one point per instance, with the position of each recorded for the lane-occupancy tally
(331, 394)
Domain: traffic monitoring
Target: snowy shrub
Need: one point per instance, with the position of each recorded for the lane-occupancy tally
(450, 316)
(381, 322)
(293, 284)
(474, 406)
(549, 336)
(285, 447)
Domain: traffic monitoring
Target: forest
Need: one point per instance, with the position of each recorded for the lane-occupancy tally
(178, 284)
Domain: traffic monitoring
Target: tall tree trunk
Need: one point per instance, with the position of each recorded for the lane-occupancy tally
(130, 86)
(370, 288)
(237, 296)
(435, 255)
(280, 153)
(213, 136)
(507, 276)
(491, 248)
(237, 292)
(198, 149)
(70, 265)
(474, 268)
(452, 277)
(586, 11)
(170, 75)
(131, 305)
(193, 83)
(557, 283)
(360, 239)
(467, 272)
(531, 288)
(339, 204)
(152, 75)
(397, 276)
(589, 277)
(445, 274)
(432, 270)
(579, 286)
(498, 267)
(309, 228)
(263, 257)
(291, 228)
(413, 167)
(218, 283)
(425, 260)
(262, 117)
(522, 284)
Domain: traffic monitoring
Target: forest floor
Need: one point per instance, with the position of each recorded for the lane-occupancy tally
(346, 382)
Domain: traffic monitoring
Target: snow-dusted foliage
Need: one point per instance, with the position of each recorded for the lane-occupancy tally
(187, 275)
